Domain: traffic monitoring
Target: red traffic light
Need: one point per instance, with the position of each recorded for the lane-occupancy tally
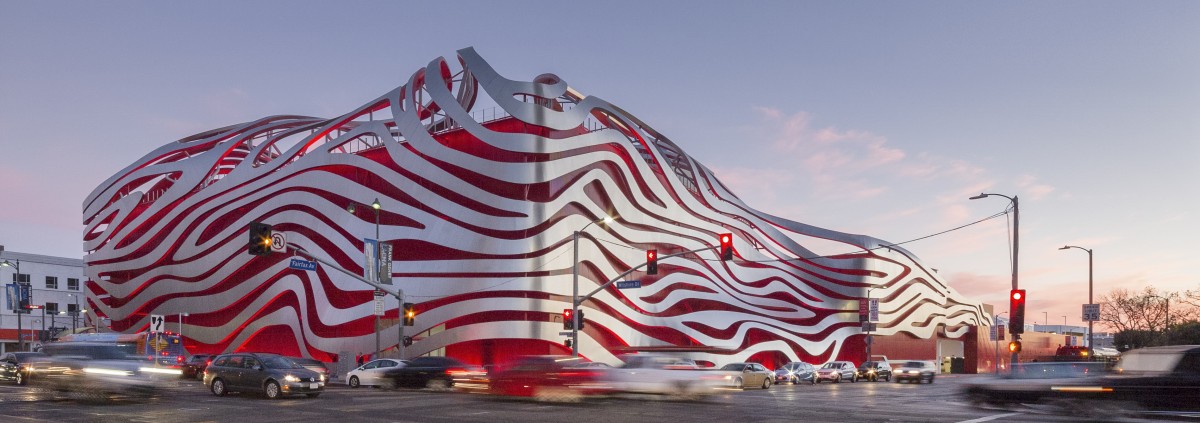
(1016, 311)
(726, 241)
(568, 321)
(1018, 294)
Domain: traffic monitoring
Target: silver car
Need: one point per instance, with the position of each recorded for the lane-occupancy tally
(837, 371)
(742, 375)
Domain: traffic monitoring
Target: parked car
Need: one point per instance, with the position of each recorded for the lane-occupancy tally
(796, 372)
(194, 366)
(837, 371)
(548, 378)
(273, 375)
(875, 370)
(18, 366)
(100, 370)
(435, 373)
(369, 374)
(742, 375)
(665, 375)
(314, 365)
(915, 371)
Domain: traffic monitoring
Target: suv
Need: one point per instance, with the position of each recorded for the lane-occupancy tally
(18, 366)
(272, 374)
(796, 372)
(836, 371)
(875, 370)
(97, 370)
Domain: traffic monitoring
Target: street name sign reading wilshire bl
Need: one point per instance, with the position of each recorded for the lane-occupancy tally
(628, 284)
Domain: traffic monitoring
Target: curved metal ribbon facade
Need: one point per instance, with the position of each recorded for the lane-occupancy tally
(480, 206)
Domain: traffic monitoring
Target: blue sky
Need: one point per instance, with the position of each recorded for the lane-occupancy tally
(865, 117)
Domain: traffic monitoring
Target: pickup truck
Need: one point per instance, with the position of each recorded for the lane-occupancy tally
(665, 375)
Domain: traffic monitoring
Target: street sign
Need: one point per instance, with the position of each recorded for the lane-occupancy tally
(868, 327)
(565, 333)
(157, 323)
(874, 310)
(369, 246)
(378, 306)
(863, 307)
(629, 284)
(302, 264)
(1091, 312)
(278, 242)
(385, 263)
(379, 293)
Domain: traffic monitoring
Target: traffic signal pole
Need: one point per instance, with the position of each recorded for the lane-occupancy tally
(396, 292)
(578, 300)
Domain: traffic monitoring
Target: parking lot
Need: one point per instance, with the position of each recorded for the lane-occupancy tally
(189, 401)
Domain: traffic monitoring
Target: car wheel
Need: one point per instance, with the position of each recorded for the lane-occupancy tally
(767, 383)
(218, 387)
(313, 395)
(354, 382)
(888, 378)
(816, 381)
(837, 379)
(930, 378)
(737, 383)
(813, 380)
(438, 384)
(21, 378)
(854, 379)
(271, 390)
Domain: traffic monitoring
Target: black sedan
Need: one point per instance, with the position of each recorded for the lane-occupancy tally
(1151, 380)
(435, 373)
(16, 366)
(194, 366)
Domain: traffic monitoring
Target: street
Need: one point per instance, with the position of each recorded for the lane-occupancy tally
(189, 401)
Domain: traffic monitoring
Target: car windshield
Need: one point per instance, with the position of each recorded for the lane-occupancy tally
(1137, 361)
(733, 367)
(832, 366)
(916, 364)
(867, 364)
(278, 362)
(95, 352)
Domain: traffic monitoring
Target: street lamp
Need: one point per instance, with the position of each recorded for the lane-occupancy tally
(181, 316)
(575, 284)
(1016, 238)
(1091, 353)
(1046, 318)
(375, 206)
(870, 325)
(75, 315)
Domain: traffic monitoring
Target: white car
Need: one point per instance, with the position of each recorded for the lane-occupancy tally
(370, 374)
(666, 375)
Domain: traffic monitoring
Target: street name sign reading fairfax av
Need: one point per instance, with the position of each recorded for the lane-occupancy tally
(302, 264)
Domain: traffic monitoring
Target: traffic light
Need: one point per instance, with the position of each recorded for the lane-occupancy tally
(568, 321)
(1016, 311)
(1014, 347)
(579, 319)
(726, 247)
(410, 314)
(260, 239)
(651, 262)
(567, 343)
(408, 341)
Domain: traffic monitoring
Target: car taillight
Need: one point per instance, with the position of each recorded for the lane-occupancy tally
(456, 370)
(179, 359)
(207, 363)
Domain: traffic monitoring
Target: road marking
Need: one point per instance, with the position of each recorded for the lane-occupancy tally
(989, 418)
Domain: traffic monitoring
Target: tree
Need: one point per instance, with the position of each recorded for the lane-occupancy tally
(1122, 309)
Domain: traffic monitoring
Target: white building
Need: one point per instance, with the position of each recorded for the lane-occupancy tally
(57, 285)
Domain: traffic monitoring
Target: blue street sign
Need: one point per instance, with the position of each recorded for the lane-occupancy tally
(302, 264)
(629, 284)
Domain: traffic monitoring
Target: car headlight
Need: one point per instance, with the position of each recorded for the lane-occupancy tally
(728, 377)
(107, 372)
(291, 378)
(321, 378)
(160, 370)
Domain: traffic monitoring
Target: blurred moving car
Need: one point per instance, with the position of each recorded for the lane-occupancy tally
(17, 366)
(548, 378)
(435, 373)
(370, 373)
(194, 366)
(917, 371)
(314, 365)
(98, 371)
(273, 375)
(874, 370)
(590, 365)
(741, 375)
(836, 371)
(665, 375)
(796, 372)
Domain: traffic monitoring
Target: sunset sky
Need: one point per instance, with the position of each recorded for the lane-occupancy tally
(877, 118)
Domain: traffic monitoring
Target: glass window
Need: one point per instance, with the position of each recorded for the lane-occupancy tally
(22, 278)
(52, 282)
(249, 362)
(51, 308)
(72, 309)
(73, 284)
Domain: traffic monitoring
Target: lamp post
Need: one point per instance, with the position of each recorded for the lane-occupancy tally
(1091, 353)
(575, 285)
(1046, 318)
(1015, 248)
(375, 206)
(996, 341)
(181, 316)
(75, 314)
(16, 265)
(870, 338)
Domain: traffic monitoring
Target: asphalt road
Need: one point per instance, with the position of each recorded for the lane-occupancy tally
(189, 401)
